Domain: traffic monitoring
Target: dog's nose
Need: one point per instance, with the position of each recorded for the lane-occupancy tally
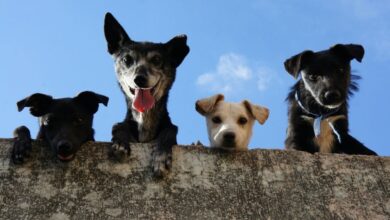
(64, 147)
(229, 137)
(332, 96)
(141, 81)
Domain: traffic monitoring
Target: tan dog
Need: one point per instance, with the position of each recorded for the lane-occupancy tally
(229, 125)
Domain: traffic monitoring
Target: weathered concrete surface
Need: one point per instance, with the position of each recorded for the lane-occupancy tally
(203, 184)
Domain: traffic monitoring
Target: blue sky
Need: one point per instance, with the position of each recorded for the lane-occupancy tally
(237, 48)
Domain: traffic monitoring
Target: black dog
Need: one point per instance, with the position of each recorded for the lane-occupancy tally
(318, 108)
(145, 72)
(65, 124)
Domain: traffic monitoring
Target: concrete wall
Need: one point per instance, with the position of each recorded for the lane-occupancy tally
(203, 184)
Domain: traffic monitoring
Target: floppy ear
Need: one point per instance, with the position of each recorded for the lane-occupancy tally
(207, 105)
(258, 112)
(296, 63)
(178, 49)
(116, 36)
(39, 104)
(349, 51)
(91, 100)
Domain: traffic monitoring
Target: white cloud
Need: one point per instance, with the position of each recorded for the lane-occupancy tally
(233, 66)
(234, 74)
(205, 79)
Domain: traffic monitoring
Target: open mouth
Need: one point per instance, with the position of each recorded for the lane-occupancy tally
(152, 89)
(144, 99)
(65, 158)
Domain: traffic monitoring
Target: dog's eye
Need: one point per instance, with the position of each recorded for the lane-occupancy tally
(79, 121)
(49, 121)
(156, 60)
(128, 60)
(242, 121)
(216, 120)
(313, 77)
(46, 122)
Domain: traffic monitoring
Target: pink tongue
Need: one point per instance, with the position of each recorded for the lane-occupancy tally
(143, 100)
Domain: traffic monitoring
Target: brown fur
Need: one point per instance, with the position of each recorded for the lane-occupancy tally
(325, 141)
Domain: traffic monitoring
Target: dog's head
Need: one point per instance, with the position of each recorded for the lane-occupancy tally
(144, 70)
(65, 123)
(229, 125)
(326, 74)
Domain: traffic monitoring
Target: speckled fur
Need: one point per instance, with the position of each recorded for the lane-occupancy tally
(154, 124)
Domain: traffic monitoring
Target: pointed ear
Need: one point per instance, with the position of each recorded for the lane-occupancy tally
(258, 112)
(349, 51)
(116, 36)
(39, 104)
(178, 49)
(296, 63)
(207, 105)
(91, 100)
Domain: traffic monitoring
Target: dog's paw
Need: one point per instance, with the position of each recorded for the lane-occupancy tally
(20, 150)
(119, 150)
(161, 164)
(22, 144)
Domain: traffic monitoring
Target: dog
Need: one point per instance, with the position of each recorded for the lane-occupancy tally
(145, 72)
(229, 125)
(65, 124)
(318, 102)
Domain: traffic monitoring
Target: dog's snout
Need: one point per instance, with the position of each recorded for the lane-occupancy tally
(141, 70)
(141, 81)
(332, 96)
(64, 147)
(229, 137)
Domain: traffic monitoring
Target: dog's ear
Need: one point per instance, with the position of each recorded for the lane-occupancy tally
(116, 36)
(39, 104)
(258, 112)
(296, 63)
(177, 49)
(207, 105)
(349, 51)
(91, 100)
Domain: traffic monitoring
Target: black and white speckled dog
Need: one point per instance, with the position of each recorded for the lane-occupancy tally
(145, 72)
(318, 108)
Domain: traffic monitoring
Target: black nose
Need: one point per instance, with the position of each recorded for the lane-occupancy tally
(229, 137)
(141, 81)
(64, 147)
(332, 96)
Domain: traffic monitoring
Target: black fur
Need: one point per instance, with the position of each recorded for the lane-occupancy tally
(327, 73)
(135, 69)
(65, 124)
